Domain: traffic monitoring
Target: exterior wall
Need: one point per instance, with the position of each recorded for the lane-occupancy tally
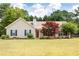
(40, 34)
(20, 26)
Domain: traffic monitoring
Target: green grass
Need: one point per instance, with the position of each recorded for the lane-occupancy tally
(58, 47)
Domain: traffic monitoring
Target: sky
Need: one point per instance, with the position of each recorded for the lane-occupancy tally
(41, 9)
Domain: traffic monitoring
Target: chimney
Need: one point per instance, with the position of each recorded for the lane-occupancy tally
(34, 22)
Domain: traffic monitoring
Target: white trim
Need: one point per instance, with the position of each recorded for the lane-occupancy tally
(17, 21)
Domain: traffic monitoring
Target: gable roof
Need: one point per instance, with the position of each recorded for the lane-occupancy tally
(19, 19)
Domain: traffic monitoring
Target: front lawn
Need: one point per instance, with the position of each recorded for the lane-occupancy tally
(39, 47)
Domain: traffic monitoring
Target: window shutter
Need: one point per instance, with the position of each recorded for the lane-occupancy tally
(25, 32)
(11, 32)
(15, 32)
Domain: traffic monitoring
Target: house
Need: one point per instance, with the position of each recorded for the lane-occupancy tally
(20, 28)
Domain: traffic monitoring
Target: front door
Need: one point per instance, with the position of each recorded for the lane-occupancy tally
(37, 33)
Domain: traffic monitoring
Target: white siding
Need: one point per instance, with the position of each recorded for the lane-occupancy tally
(20, 26)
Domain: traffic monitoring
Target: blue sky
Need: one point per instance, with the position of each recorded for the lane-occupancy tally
(41, 9)
(67, 6)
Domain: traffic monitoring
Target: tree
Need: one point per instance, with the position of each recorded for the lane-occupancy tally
(61, 15)
(69, 28)
(78, 31)
(12, 14)
(36, 17)
(77, 11)
(2, 30)
(29, 18)
(50, 28)
(3, 7)
(77, 16)
(39, 19)
(45, 18)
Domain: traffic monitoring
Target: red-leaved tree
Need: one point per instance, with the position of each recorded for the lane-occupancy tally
(50, 28)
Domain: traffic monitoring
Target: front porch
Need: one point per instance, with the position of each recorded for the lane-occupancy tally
(39, 34)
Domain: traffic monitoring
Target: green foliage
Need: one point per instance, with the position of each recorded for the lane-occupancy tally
(78, 31)
(12, 14)
(39, 19)
(4, 36)
(69, 27)
(3, 8)
(77, 17)
(45, 37)
(2, 30)
(59, 16)
(29, 18)
(45, 18)
(29, 35)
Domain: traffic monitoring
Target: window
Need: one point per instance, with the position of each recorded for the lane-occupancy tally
(13, 32)
(47, 33)
(25, 32)
(29, 31)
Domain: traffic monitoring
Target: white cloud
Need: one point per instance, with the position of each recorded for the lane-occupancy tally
(41, 10)
(55, 5)
(37, 6)
(38, 10)
(73, 8)
(19, 5)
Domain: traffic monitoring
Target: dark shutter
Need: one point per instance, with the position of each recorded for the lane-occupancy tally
(15, 32)
(11, 32)
(25, 32)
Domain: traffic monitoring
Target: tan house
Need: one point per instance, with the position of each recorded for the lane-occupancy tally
(20, 28)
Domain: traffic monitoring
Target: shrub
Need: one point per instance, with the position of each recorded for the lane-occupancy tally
(78, 31)
(45, 37)
(7, 36)
(29, 35)
(4, 36)
(69, 28)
